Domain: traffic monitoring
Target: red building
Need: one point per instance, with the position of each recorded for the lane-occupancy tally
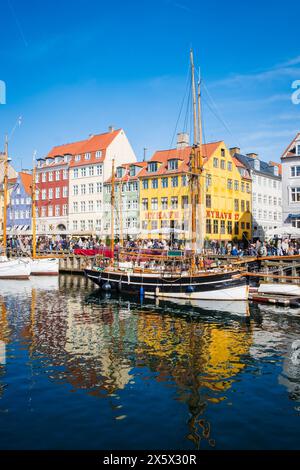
(52, 189)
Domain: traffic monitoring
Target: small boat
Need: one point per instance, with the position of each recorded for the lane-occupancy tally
(44, 266)
(200, 286)
(279, 288)
(14, 269)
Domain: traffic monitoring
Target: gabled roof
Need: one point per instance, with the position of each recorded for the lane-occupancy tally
(287, 153)
(91, 145)
(265, 168)
(26, 179)
(66, 149)
(183, 154)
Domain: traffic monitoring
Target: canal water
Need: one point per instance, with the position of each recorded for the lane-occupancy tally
(82, 370)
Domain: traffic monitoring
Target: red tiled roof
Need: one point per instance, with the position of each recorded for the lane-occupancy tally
(26, 181)
(126, 176)
(183, 154)
(66, 149)
(94, 143)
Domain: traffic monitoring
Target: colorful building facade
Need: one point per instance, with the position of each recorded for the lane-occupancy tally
(224, 208)
(290, 160)
(19, 209)
(127, 201)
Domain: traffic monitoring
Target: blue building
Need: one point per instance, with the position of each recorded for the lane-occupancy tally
(19, 208)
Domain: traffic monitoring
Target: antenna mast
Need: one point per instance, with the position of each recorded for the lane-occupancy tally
(112, 216)
(5, 190)
(33, 207)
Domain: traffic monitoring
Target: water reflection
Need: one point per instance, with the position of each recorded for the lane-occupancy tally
(102, 345)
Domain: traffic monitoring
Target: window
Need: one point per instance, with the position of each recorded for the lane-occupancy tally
(37, 178)
(172, 164)
(57, 211)
(174, 202)
(57, 175)
(99, 187)
(248, 206)
(174, 181)
(50, 193)
(236, 205)
(91, 188)
(208, 181)
(134, 186)
(65, 209)
(75, 225)
(216, 226)
(43, 211)
(243, 186)
(164, 182)
(154, 225)
(98, 154)
(275, 201)
(208, 200)
(154, 203)
(50, 211)
(99, 170)
(145, 184)
(75, 190)
(98, 205)
(87, 156)
(145, 204)
(236, 185)
(83, 188)
(184, 180)
(223, 166)
(28, 200)
(91, 171)
(43, 195)
(91, 206)
(184, 202)
(50, 176)
(216, 164)
(82, 206)
(222, 227)
(208, 225)
(229, 184)
(65, 174)
(83, 171)
(57, 193)
(296, 222)
(229, 227)
(75, 207)
(155, 183)
(82, 225)
(75, 173)
(222, 152)
(65, 191)
(248, 187)
(236, 228)
(229, 166)
(242, 206)
(77, 158)
(164, 203)
(144, 224)
(295, 194)
(43, 177)
(265, 199)
(152, 167)
(295, 170)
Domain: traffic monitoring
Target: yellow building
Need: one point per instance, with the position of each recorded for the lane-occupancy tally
(225, 202)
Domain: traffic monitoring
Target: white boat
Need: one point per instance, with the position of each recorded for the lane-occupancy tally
(280, 288)
(14, 269)
(44, 267)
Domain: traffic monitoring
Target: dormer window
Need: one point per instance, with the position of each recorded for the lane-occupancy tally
(276, 170)
(257, 164)
(87, 156)
(152, 167)
(119, 172)
(98, 154)
(77, 158)
(132, 171)
(173, 164)
(298, 149)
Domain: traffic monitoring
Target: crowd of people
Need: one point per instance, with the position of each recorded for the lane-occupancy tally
(53, 244)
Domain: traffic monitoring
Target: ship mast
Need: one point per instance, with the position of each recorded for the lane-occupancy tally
(33, 208)
(112, 214)
(200, 165)
(5, 192)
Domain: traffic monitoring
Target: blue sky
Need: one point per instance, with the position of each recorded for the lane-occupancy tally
(74, 68)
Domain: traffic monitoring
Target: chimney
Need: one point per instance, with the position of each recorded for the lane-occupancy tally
(183, 140)
(252, 155)
(111, 129)
(234, 150)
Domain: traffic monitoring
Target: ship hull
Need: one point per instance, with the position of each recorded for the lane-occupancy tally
(44, 267)
(14, 269)
(219, 286)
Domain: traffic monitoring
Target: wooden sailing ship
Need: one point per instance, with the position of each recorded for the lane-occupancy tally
(177, 277)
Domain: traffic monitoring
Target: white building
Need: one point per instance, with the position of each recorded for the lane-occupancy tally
(266, 193)
(89, 169)
(290, 160)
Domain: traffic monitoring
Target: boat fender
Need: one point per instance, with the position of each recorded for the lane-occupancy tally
(157, 291)
(106, 286)
(142, 292)
(119, 286)
(190, 289)
(99, 278)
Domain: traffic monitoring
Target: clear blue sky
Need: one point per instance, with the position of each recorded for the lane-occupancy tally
(75, 67)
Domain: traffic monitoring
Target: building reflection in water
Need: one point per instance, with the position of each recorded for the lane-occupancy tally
(98, 345)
